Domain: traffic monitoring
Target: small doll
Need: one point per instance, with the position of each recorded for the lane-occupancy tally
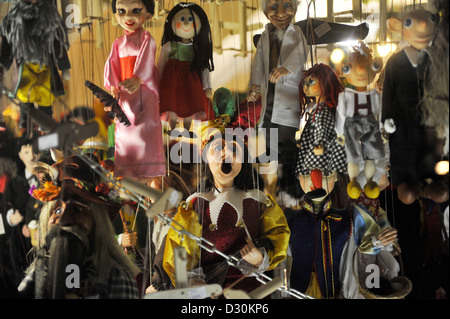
(357, 120)
(401, 116)
(318, 146)
(184, 63)
(33, 36)
(132, 77)
(232, 213)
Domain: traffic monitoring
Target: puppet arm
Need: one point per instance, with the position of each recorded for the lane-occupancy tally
(206, 82)
(388, 99)
(274, 226)
(185, 218)
(324, 131)
(163, 57)
(145, 69)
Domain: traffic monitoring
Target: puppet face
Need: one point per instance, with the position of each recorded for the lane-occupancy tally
(312, 87)
(71, 213)
(319, 180)
(225, 161)
(280, 13)
(418, 28)
(362, 71)
(186, 25)
(27, 156)
(131, 14)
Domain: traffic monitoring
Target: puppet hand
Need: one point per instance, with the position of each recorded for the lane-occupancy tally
(251, 254)
(387, 236)
(340, 140)
(385, 137)
(389, 126)
(66, 75)
(318, 150)
(150, 290)
(277, 73)
(132, 84)
(26, 231)
(114, 92)
(129, 239)
(253, 93)
(208, 93)
(16, 218)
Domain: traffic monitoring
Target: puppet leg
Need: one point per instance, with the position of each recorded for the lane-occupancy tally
(371, 188)
(353, 188)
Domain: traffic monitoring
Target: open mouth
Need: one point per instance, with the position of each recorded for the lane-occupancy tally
(226, 168)
(129, 24)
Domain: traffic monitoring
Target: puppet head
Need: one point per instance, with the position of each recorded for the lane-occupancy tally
(320, 83)
(279, 12)
(227, 157)
(190, 16)
(26, 154)
(361, 67)
(131, 14)
(417, 27)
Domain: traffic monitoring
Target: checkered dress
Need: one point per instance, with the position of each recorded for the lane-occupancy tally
(320, 129)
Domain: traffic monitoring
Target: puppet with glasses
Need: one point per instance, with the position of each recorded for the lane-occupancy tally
(131, 76)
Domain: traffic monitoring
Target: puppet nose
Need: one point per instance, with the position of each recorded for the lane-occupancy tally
(316, 178)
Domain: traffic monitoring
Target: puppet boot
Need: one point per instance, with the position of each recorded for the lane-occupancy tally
(354, 189)
(408, 193)
(372, 190)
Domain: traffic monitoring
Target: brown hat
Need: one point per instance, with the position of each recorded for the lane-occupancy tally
(74, 177)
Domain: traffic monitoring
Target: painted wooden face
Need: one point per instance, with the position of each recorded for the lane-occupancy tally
(131, 14)
(225, 161)
(70, 213)
(312, 88)
(313, 181)
(362, 71)
(186, 25)
(280, 13)
(418, 28)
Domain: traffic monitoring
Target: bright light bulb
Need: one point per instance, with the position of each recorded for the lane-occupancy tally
(441, 168)
(337, 56)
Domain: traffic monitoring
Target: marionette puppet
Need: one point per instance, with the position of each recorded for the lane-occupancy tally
(410, 142)
(276, 73)
(131, 76)
(33, 36)
(324, 239)
(318, 147)
(75, 228)
(184, 63)
(357, 120)
(233, 214)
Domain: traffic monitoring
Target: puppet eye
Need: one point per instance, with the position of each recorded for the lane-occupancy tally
(137, 10)
(408, 23)
(274, 7)
(376, 66)
(190, 19)
(182, 19)
(121, 11)
(346, 69)
(433, 18)
(287, 5)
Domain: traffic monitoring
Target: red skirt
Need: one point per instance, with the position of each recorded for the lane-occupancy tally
(181, 90)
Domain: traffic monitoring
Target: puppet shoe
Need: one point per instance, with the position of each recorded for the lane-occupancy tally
(354, 189)
(372, 190)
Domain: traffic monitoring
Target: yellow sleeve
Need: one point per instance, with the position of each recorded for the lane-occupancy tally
(185, 219)
(274, 226)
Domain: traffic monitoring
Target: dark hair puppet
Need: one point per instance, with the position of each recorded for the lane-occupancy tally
(202, 40)
(149, 5)
(246, 180)
(329, 83)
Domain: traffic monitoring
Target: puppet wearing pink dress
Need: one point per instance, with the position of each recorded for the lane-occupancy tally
(131, 75)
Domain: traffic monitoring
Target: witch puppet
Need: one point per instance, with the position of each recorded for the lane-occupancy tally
(131, 76)
(358, 122)
(412, 143)
(34, 41)
(233, 214)
(185, 62)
